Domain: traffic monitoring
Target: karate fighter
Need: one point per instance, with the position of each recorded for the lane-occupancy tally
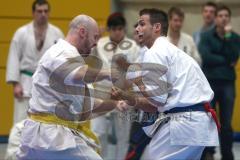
(62, 101)
(173, 84)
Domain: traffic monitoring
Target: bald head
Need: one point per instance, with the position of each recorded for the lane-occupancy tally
(83, 33)
(82, 20)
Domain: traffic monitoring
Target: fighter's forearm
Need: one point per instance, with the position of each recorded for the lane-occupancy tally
(138, 101)
(90, 75)
(101, 106)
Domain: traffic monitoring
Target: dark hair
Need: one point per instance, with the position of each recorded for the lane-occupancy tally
(157, 16)
(175, 10)
(116, 19)
(221, 7)
(40, 2)
(209, 4)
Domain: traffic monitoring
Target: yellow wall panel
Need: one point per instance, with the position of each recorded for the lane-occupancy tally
(15, 8)
(65, 8)
(3, 54)
(60, 8)
(9, 26)
(6, 105)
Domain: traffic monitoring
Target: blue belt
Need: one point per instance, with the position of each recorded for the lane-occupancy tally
(196, 107)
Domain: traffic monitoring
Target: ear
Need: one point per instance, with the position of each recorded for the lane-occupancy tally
(157, 27)
(82, 32)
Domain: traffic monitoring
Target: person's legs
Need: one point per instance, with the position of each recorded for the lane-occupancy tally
(100, 127)
(122, 128)
(160, 148)
(226, 105)
(81, 152)
(208, 152)
(138, 142)
(14, 141)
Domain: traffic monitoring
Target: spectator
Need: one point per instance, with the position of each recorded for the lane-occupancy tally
(208, 14)
(219, 48)
(177, 37)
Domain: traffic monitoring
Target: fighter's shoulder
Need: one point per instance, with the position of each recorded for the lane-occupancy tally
(163, 48)
(54, 55)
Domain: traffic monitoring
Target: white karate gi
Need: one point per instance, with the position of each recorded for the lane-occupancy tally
(23, 55)
(187, 44)
(101, 125)
(187, 133)
(52, 141)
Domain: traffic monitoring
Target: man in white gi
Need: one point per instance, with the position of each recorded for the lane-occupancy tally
(177, 37)
(28, 45)
(173, 84)
(116, 44)
(61, 101)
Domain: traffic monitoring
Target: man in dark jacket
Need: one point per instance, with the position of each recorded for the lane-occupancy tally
(219, 48)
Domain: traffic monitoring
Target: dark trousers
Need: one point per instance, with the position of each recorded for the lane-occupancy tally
(224, 95)
(138, 139)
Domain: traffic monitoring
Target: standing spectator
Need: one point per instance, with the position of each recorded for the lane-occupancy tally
(27, 46)
(208, 14)
(177, 37)
(220, 49)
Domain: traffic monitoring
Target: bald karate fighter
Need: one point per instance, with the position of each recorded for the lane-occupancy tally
(61, 99)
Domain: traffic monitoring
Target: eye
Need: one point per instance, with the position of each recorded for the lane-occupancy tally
(141, 23)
